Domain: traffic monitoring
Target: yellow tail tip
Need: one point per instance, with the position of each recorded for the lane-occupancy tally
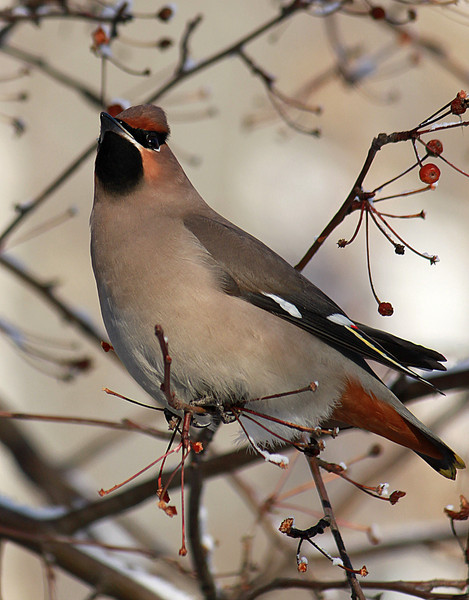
(450, 472)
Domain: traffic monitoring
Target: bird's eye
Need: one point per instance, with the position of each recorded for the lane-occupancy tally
(152, 141)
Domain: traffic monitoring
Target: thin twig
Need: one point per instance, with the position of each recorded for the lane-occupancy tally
(124, 425)
(418, 589)
(28, 209)
(232, 50)
(407, 389)
(132, 497)
(438, 51)
(328, 512)
(344, 209)
(376, 145)
(171, 398)
(32, 16)
(184, 46)
(116, 582)
(30, 461)
(199, 553)
(43, 66)
(47, 292)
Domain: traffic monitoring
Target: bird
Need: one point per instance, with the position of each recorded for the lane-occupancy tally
(241, 322)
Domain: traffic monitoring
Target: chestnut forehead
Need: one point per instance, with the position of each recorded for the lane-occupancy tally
(146, 123)
(146, 117)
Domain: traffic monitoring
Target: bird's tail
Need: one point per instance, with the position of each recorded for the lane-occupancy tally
(390, 418)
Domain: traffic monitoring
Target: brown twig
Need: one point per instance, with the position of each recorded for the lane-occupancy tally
(436, 50)
(28, 209)
(184, 45)
(381, 140)
(375, 491)
(328, 512)
(32, 16)
(418, 589)
(112, 581)
(278, 99)
(453, 379)
(30, 461)
(232, 50)
(199, 553)
(171, 398)
(357, 192)
(44, 67)
(130, 498)
(124, 425)
(47, 292)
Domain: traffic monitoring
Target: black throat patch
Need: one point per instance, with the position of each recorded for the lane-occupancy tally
(118, 165)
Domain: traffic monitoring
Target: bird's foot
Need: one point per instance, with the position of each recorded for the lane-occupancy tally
(215, 408)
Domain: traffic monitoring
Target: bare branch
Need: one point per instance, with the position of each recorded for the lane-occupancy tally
(356, 192)
(327, 507)
(285, 12)
(46, 291)
(11, 16)
(27, 209)
(184, 51)
(418, 589)
(65, 79)
(130, 498)
(199, 553)
(38, 536)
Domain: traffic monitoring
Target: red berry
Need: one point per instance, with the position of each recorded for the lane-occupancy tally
(378, 13)
(164, 43)
(165, 14)
(396, 496)
(435, 147)
(429, 173)
(458, 105)
(385, 309)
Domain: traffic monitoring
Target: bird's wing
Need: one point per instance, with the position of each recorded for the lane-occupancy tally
(249, 269)
(408, 353)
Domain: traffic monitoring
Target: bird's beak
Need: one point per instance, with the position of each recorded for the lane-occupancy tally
(109, 123)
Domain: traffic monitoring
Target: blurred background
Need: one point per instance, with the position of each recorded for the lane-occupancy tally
(235, 141)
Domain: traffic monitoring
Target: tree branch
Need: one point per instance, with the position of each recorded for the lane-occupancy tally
(418, 589)
(92, 568)
(328, 512)
(29, 208)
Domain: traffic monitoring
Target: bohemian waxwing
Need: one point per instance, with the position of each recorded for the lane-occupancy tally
(241, 322)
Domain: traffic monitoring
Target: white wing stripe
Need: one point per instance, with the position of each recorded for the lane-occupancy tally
(285, 305)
